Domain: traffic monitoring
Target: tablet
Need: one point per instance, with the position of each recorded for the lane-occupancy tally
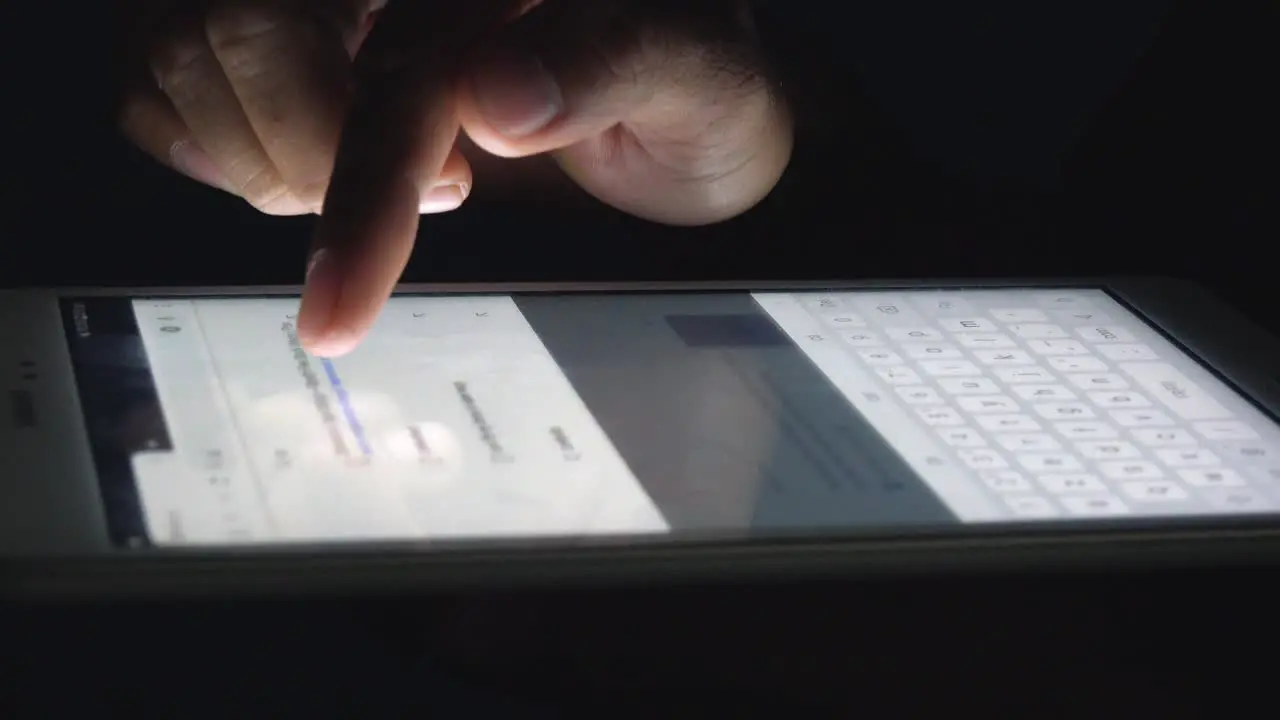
(157, 438)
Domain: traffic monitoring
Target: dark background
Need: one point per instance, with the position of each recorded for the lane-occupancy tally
(936, 139)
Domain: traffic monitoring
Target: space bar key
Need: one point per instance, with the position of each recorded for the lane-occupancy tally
(1177, 392)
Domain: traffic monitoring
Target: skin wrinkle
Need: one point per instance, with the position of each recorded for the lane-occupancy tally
(176, 60)
(688, 70)
(618, 148)
(232, 34)
(277, 192)
(710, 153)
(700, 72)
(681, 149)
(715, 180)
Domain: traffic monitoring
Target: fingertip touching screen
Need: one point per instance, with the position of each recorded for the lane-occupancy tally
(655, 415)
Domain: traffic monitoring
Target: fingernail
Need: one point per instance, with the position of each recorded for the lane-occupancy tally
(517, 94)
(192, 161)
(443, 199)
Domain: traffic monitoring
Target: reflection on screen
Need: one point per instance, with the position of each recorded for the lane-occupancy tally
(591, 415)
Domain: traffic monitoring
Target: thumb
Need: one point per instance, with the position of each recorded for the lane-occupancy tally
(660, 108)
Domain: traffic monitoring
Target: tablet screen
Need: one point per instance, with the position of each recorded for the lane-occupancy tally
(650, 414)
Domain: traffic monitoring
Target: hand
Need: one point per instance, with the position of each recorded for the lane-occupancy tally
(656, 107)
(247, 97)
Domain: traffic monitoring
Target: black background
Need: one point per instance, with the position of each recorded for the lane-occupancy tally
(936, 139)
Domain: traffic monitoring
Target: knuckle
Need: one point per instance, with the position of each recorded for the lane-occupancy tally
(265, 196)
(176, 57)
(239, 27)
(258, 182)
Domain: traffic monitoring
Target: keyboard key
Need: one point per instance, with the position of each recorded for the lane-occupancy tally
(1064, 411)
(1095, 505)
(969, 386)
(1080, 317)
(1131, 470)
(917, 334)
(1225, 430)
(968, 325)
(1003, 357)
(1072, 483)
(1268, 475)
(950, 368)
(1057, 347)
(1235, 499)
(944, 304)
(1108, 450)
(899, 375)
(1049, 462)
(1044, 392)
(1003, 481)
(1070, 364)
(1105, 333)
(1148, 491)
(985, 341)
(880, 357)
(987, 404)
(943, 416)
(1086, 430)
(1019, 315)
(1031, 506)
(1163, 437)
(882, 309)
(1098, 381)
(1014, 375)
(1128, 352)
(982, 459)
(1038, 331)
(1008, 423)
(1212, 477)
(919, 395)
(1249, 453)
(1028, 442)
(1063, 301)
(821, 302)
(962, 437)
(861, 338)
(931, 351)
(1188, 457)
(842, 319)
(1174, 390)
(1140, 418)
(1118, 399)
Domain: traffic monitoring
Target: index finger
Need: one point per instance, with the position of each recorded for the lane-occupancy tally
(398, 133)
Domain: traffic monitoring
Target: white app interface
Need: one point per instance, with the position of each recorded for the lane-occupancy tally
(452, 421)
(1039, 404)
